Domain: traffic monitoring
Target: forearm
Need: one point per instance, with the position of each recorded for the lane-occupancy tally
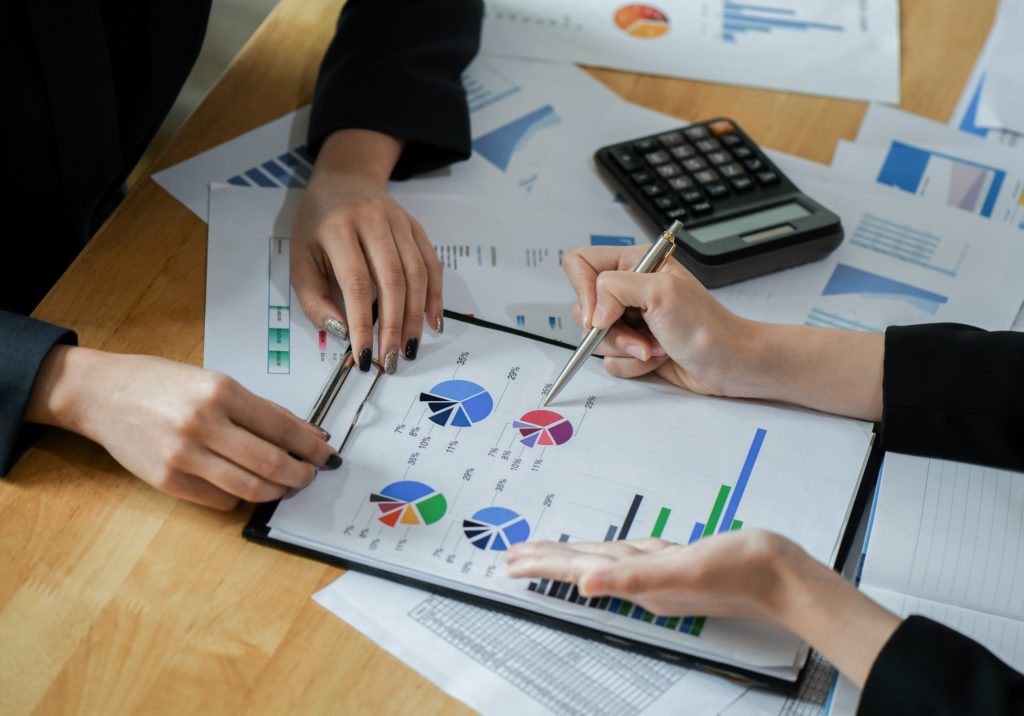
(63, 387)
(829, 370)
(372, 155)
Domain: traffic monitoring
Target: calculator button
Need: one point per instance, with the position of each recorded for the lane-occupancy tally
(731, 170)
(742, 184)
(627, 159)
(691, 196)
(755, 164)
(666, 202)
(670, 139)
(683, 151)
(742, 152)
(719, 157)
(644, 176)
(650, 144)
(695, 164)
(681, 183)
(731, 140)
(703, 207)
(707, 176)
(716, 190)
(669, 170)
(679, 213)
(653, 189)
(768, 177)
(658, 157)
(695, 133)
(708, 145)
(722, 126)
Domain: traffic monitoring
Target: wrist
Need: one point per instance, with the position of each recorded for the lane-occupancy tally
(361, 153)
(66, 388)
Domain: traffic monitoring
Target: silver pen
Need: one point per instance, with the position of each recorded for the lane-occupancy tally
(652, 262)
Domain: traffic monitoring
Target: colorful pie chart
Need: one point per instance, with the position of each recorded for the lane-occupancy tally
(495, 528)
(541, 428)
(642, 21)
(459, 403)
(409, 503)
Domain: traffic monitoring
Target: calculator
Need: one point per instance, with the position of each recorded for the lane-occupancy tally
(742, 216)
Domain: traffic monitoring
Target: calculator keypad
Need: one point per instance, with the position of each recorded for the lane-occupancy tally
(687, 172)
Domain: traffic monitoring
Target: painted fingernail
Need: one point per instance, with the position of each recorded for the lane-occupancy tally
(333, 462)
(365, 356)
(336, 328)
(439, 324)
(391, 362)
(327, 435)
(412, 348)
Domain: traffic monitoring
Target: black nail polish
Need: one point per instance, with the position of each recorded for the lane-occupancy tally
(412, 348)
(364, 359)
(333, 462)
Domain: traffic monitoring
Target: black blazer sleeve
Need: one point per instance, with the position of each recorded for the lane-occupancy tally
(24, 344)
(954, 392)
(926, 668)
(395, 67)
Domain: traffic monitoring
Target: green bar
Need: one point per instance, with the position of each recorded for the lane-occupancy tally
(698, 624)
(736, 524)
(625, 608)
(716, 511)
(659, 524)
(647, 617)
(672, 623)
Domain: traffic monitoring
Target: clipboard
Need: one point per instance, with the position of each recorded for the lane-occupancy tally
(258, 530)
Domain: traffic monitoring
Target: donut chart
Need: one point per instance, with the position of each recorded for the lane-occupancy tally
(641, 21)
(541, 428)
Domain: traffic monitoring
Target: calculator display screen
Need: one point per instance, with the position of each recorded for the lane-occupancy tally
(749, 222)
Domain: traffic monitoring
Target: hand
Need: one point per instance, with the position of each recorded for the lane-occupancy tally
(189, 432)
(749, 574)
(348, 229)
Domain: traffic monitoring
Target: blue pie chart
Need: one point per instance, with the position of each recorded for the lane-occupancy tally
(459, 403)
(496, 528)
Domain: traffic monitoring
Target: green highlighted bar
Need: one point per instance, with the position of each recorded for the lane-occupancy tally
(647, 617)
(659, 525)
(698, 624)
(278, 362)
(672, 623)
(736, 524)
(278, 339)
(716, 511)
(625, 608)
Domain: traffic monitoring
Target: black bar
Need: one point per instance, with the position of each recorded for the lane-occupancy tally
(630, 516)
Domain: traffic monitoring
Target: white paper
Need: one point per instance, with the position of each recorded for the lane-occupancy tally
(965, 116)
(846, 50)
(899, 264)
(935, 162)
(1002, 97)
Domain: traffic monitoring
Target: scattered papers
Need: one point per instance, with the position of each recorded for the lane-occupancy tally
(1001, 104)
(965, 116)
(848, 50)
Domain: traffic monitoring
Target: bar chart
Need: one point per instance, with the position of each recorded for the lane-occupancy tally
(290, 170)
(905, 243)
(279, 319)
(739, 18)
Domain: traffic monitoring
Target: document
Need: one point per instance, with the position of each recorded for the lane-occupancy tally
(897, 265)
(965, 116)
(848, 50)
(1002, 96)
(453, 460)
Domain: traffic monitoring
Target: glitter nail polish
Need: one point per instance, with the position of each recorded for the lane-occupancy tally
(391, 362)
(336, 328)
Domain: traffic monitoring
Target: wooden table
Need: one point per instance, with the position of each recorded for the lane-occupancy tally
(115, 598)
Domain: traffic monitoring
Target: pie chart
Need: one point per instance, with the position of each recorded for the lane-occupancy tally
(409, 503)
(457, 402)
(495, 528)
(543, 428)
(643, 21)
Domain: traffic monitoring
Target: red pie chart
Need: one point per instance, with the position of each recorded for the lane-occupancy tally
(541, 428)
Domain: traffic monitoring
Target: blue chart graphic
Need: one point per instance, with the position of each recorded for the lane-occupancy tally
(495, 528)
(499, 145)
(900, 242)
(484, 87)
(600, 240)
(828, 319)
(743, 17)
(968, 185)
(459, 403)
(848, 280)
(291, 169)
(970, 121)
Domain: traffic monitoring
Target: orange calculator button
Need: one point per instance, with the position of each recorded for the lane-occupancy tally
(722, 126)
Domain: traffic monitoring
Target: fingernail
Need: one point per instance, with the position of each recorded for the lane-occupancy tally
(412, 348)
(585, 315)
(365, 356)
(333, 462)
(327, 435)
(599, 317)
(657, 350)
(391, 362)
(439, 324)
(594, 585)
(636, 351)
(336, 328)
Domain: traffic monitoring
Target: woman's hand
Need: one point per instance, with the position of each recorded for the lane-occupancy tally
(749, 574)
(667, 323)
(189, 432)
(350, 231)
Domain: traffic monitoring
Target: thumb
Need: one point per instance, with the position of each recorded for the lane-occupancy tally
(314, 292)
(619, 290)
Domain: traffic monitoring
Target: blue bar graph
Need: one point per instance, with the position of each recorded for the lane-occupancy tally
(290, 170)
(601, 240)
(742, 17)
(499, 145)
(741, 482)
(849, 280)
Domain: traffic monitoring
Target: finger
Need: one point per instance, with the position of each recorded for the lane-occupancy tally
(189, 487)
(261, 458)
(349, 263)
(379, 246)
(231, 478)
(416, 278)
(311, 279)
(434, 307)
(568, 567)
(632, 367)
(646, 573)
(278, 426)
(619, 290)
(582, 267)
